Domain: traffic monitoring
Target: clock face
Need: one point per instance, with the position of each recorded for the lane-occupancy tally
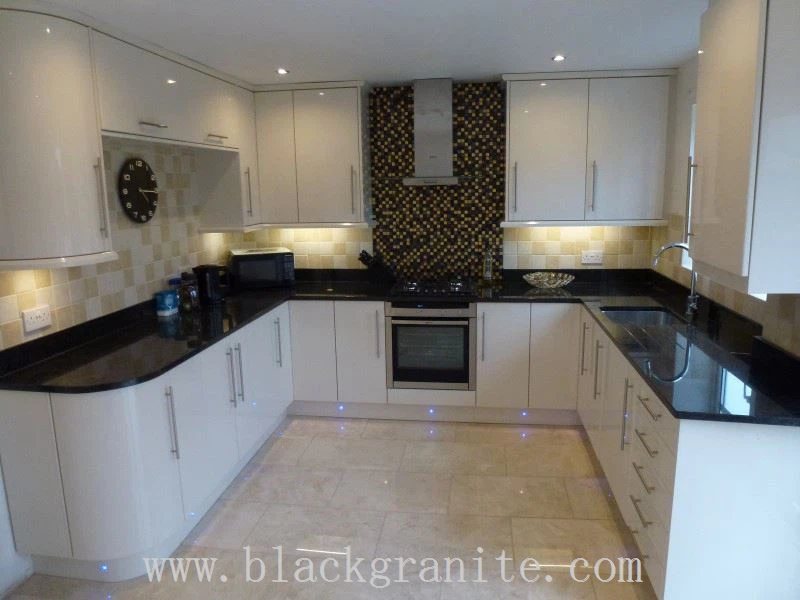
(138, 190)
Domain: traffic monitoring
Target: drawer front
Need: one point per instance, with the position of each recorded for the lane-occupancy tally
(652, 535)
(654, 411)
(662, 461)
(644, 479)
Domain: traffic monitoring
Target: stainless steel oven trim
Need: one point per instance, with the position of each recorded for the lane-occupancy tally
(471, 313)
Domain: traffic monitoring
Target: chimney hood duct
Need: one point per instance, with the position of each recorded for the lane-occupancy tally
(433, 133)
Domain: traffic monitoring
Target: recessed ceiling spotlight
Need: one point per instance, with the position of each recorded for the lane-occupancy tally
(282, 71)
(559, 58)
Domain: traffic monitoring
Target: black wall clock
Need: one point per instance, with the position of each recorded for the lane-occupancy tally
(138, 190)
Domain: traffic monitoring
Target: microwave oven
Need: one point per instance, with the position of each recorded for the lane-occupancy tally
(261, 268)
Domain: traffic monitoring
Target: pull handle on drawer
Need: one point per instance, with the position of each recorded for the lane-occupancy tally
(650, 451)
(645, 402)
(647, 487)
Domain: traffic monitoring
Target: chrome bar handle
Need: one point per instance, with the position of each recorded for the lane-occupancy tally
(583, 349)
(238, 349)
(98, 174)
(636, 502)
(597, 347)
(687, 228)
(352, 190)
(516, 169)
(377, 335)
(280, 349)
(645, 402)
(483, 336)
(232, 377)
(217, 136)
(593, 180)
(154, 124)
(647, 487)
(249, 192)
(624, 440)
(650, 451)
(176, 450)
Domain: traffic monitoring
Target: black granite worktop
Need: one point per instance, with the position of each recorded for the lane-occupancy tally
(719, 382)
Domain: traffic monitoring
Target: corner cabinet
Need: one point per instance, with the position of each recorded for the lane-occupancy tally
(587, 150)
(310, 145)
(745, 210)
(53, 210)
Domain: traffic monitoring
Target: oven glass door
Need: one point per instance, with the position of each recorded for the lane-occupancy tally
(431, 353)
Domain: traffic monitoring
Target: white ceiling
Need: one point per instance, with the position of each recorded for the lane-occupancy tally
(399, 40)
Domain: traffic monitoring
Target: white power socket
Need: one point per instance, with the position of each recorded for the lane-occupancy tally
(37, 318)
(591, 257)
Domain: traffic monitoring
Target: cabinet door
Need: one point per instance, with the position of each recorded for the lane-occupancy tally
(276, 157)
(328, 149)
(205, 415)
(130, 498)
(136, 95)
(503, 355)
(728, 105)
(585, 368)
(255, 415)
(280, 390)
(626, 159)
(614, 446)
(52, 199)
(596, 389)
(313, 350)
(248, 155)
(360, 352)
(547, 150)
(554, 346)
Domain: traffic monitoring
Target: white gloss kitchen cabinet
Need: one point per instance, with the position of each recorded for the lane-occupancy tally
(586, 150)
(360, 351)
(744, 206)
(313, 350)
(97, 480)
(53, 209)
(553, 346)
(503, 355)
(592, 376)
(310, 155)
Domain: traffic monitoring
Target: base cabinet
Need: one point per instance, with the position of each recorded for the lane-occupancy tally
(503, 355)
(120, 469)
(360, 351)
(314, 350)
(554, 343)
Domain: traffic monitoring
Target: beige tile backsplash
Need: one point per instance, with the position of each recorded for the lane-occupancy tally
(561, 247)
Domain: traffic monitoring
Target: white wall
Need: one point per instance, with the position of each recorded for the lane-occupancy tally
(13, 567)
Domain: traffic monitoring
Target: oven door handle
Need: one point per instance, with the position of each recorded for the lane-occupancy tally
(448, 323)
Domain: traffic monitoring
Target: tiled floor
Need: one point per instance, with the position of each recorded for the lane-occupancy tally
(401, 489)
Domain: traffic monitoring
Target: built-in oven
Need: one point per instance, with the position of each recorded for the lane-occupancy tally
(431, 346)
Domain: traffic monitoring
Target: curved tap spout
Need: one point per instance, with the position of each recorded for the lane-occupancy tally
(691, 301)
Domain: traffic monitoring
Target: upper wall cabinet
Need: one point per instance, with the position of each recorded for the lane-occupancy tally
(747, 151)
(587, 150)
(310, 156)
(53, 210)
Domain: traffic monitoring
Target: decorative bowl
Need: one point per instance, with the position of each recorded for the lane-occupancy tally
(548, 279)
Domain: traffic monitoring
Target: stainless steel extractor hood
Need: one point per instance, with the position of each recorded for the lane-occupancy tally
(433, 133)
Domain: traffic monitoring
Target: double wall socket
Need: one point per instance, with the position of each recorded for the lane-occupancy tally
(591, 257)
(37, 318)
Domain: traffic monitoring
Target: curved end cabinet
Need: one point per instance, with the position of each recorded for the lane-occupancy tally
(53, 209)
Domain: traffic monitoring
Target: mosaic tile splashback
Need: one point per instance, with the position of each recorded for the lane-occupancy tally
(440, 230)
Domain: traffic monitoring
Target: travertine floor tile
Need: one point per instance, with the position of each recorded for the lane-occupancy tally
(310, 427)
(334, 453)
(393, 491)
(509, 496)
(282, 451)
(557, 542)
(477, 433)
(278, 484)
(314, 532)
(587, 496)
(454, 458)
(549, 461)
(411, 431)
(226, 525)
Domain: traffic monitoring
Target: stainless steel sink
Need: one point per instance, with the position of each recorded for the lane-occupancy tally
(641, 317)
